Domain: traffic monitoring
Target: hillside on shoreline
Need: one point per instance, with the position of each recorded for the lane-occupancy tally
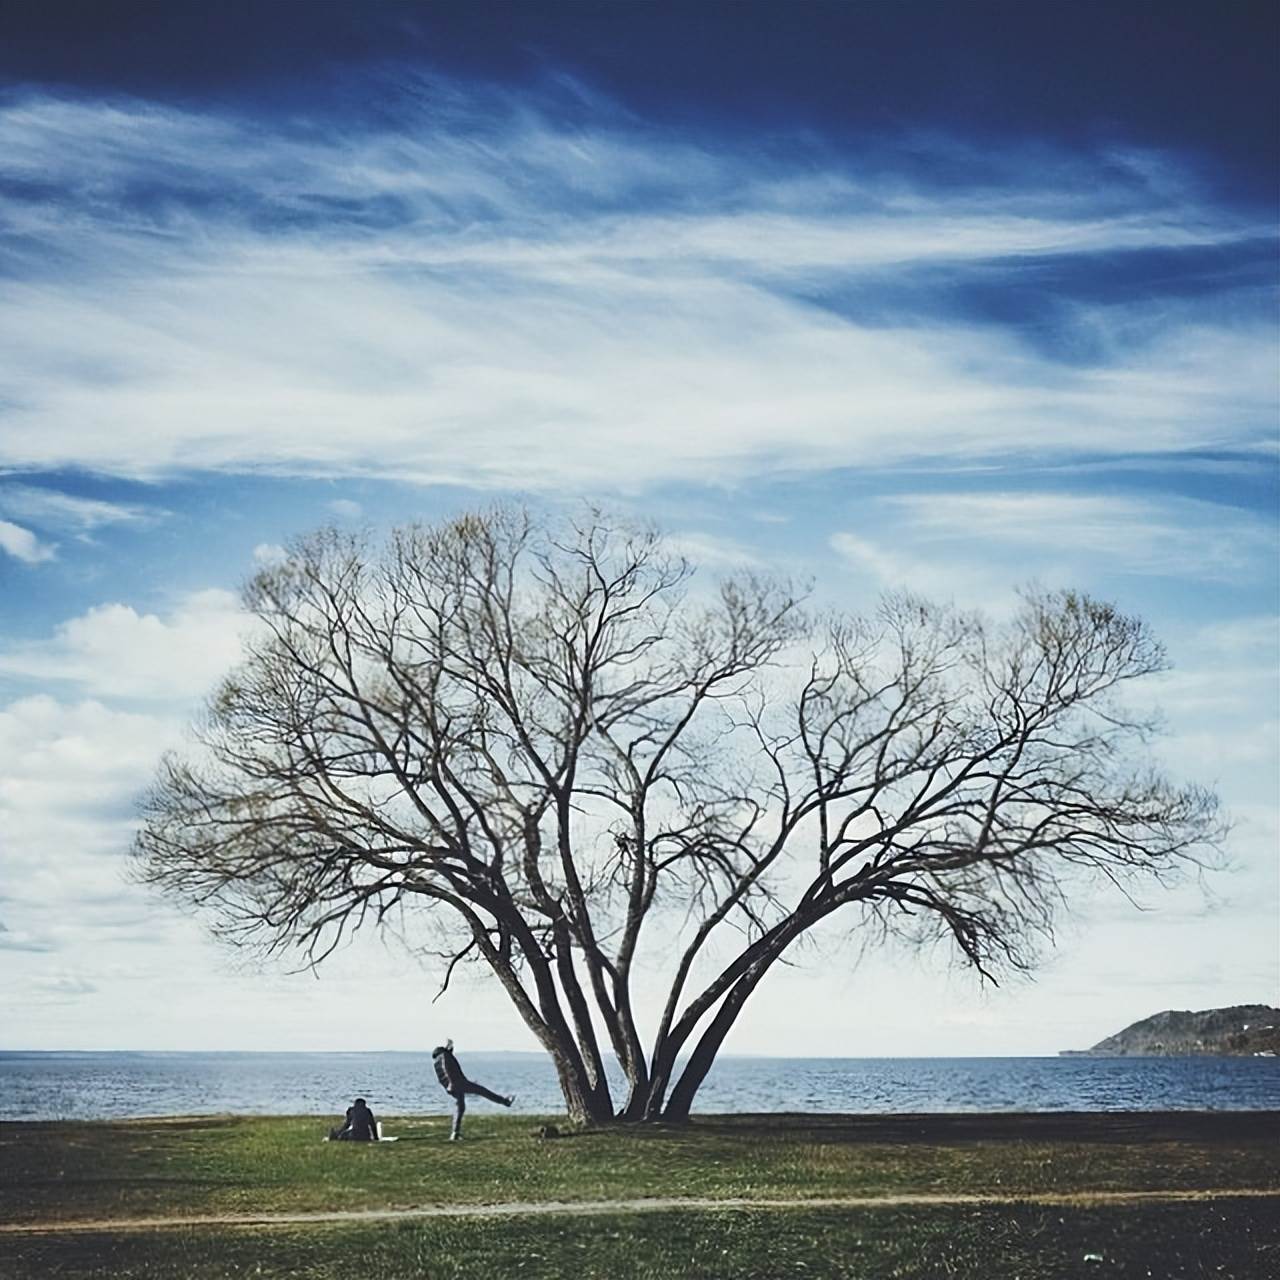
(1241, 1030)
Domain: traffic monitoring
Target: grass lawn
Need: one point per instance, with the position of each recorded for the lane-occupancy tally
(1234, 1239)
(189, 1167)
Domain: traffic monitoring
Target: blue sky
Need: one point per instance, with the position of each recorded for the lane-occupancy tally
(955, 297)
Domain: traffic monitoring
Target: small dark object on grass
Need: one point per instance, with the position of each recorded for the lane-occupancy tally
(546, 1131)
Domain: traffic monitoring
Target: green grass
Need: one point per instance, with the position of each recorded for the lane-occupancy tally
(51, 1173)
(1229, 1239)
(226, 1165)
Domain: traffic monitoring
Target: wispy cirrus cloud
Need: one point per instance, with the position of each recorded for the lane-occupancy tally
(478, 292)
(1166, 535)
(715, 552)
(51, 508)
(976, 547)
(890, 566)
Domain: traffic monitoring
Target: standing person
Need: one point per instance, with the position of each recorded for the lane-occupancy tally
(361, 1126)
(457, 1086)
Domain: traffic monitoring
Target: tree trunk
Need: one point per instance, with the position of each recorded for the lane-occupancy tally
(672, 1039)
(664, 1060)
(584, 1104)
(704, 1055)
(585, 1090)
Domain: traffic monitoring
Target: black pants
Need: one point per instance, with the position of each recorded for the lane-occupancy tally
(459, 1096)
(343, 1134)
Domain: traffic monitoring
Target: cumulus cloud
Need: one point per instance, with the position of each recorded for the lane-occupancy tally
(72, 775)
(64, 759)
(76, 934)
(269, 553)
(346, 508)
(112, 650)
(22, 544)
(478, 294)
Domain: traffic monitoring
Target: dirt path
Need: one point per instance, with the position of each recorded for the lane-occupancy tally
(594, 1208)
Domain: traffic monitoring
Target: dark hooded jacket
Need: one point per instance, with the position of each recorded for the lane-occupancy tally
(361, 1125)
(447, 1070)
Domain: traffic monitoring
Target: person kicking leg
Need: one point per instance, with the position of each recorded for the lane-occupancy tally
(457, 1086)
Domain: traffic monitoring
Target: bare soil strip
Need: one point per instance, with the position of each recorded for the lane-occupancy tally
(596, 1208)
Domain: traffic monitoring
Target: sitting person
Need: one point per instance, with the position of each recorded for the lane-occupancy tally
(457, 1086)
(361, 1126)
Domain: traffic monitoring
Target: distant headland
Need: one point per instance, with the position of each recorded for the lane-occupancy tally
(1242, 1030)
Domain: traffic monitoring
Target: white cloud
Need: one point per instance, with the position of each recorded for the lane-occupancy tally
(65, 985)
(977, 548)
(22, 544)
(21, 940)
(1226, 668)
(115, 651)
(531, 314)
(1220, 701)
(50, 508)
(713, 551)
(483, 297)
(1181, 537)
(63, 758)
(71, 776)
(269, 553)
(77, 936)
(896, 567)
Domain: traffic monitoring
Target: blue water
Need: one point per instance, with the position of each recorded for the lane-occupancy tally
(115, 1085)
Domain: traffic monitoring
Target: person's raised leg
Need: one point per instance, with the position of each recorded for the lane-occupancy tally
(480, 1091)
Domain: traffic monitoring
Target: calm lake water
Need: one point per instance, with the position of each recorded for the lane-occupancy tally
(113, 1085)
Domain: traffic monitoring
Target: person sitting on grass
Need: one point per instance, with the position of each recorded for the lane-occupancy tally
(361, 1126)
(457, 1086)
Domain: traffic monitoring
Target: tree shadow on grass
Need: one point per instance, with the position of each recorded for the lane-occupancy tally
(1081, 1126)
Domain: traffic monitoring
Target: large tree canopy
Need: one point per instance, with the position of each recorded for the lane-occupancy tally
(553, 750)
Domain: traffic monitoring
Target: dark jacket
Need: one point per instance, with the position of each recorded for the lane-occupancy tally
(447, 1070)
(361, 1125)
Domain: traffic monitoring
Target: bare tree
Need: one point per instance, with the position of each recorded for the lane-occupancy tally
(553, 754)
